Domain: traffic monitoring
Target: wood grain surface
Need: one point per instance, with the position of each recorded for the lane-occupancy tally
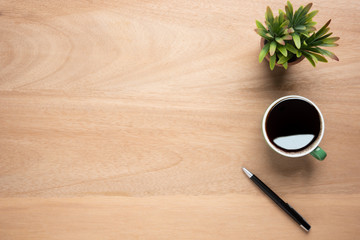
(132, 120)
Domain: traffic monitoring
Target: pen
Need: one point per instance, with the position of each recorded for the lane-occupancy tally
(283, 205)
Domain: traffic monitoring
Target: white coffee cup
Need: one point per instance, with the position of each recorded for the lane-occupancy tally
(313, 146)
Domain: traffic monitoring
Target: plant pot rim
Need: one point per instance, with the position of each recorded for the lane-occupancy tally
(262, 43)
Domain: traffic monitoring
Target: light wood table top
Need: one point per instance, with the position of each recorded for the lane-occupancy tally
(132, 120)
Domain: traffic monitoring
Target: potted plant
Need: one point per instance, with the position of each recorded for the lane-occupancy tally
(291, 36)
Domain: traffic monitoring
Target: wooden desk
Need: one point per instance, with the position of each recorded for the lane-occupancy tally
(132, 120)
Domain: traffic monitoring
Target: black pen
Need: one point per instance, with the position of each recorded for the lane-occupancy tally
(283, 205)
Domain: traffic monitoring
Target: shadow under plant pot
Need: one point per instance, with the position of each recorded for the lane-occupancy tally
(292, 61)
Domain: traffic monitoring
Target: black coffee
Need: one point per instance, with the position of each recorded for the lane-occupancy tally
(293, 124)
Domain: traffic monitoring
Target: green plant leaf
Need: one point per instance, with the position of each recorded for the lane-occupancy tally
(323, 37)
(316, 50)
(301, 15)
(322, 33)
(272, 48)
(285, 65)
(311, 38)
(319, 57)
(329, 44)
(282, 12)
(269, 36)
(296, 39)
(296, 15)
(300, 28)
(323, 29)
(272, 61)
(291, 48)
(284, 24)
(311, 24)
(282, 60)
(290, 7)
(326, 53)
(311, 15)
(276, 24)
(260, 26)
(288, 14)
(287, 37)
(268, 24)
(307, 8)
(263, 52)
(281, 17)
(306, 35)
(308, 57)
(290, 30)
(269, 16)
(313, 58)
(298, 54)
(280, 41)
(283, 50)
(310, 29)
(330, 40)
(263, 34)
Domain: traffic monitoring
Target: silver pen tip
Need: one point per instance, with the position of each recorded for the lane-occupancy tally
(247, 172)
(304, 228)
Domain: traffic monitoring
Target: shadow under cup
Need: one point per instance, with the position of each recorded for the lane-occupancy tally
(293, 126)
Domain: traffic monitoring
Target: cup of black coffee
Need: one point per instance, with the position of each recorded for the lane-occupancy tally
(293, 126)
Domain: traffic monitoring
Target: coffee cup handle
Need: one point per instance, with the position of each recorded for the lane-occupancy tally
(319, 153)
